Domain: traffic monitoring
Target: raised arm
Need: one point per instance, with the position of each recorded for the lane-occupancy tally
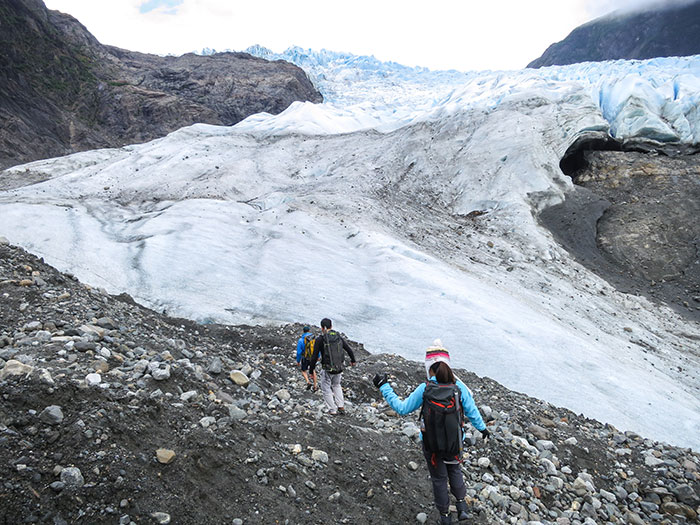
(406, 406)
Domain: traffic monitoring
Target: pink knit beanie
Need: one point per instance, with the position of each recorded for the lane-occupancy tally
(435, 354)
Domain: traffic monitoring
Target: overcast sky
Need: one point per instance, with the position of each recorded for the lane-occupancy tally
(443, 34)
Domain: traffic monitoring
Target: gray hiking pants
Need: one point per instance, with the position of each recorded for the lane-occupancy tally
(331, 390)
(440, 473)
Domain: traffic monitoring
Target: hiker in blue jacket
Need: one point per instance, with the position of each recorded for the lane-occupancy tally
(437, 368)
(307, 367)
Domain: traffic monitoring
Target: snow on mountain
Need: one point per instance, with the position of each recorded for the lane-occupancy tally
(404, 209)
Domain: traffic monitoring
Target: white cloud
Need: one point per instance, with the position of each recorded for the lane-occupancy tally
(501, 34)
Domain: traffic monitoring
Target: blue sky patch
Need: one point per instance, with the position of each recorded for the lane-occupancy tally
(150, 5)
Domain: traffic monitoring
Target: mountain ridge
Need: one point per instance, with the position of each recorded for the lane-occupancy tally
(61, 91)
(670, 31)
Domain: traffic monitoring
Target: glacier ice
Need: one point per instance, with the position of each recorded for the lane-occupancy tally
(359, 209)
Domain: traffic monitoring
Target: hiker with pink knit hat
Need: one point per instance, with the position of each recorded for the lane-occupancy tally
(444, 401)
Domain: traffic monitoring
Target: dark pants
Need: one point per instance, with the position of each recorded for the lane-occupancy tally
(440, 472)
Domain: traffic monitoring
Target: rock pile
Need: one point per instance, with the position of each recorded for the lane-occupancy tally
(112, 413)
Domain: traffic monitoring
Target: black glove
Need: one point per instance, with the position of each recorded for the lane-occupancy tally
(380, 379)
(485, 434)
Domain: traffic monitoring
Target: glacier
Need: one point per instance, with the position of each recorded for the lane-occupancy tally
(405, 208)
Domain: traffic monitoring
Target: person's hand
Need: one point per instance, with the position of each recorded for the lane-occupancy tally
(485, 435)
(380, 379)
(353, 363)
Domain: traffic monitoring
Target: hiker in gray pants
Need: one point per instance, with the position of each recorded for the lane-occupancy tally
(331, 347)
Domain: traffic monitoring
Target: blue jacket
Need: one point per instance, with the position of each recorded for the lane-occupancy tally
(300, 345)
(415, 400)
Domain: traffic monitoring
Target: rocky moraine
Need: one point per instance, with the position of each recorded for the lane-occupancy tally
(113, 413)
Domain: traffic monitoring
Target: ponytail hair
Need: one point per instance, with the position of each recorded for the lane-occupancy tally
(443, 373)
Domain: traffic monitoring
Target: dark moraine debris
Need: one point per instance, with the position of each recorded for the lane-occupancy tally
(632, 219)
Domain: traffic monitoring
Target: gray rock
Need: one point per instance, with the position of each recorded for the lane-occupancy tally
(162, 518)
(686, 494)
(161, 373)
(319, 455)
(215, 367)
(484, 462)
(207, 421)
(51, 415)
(652, 461)
(410, 430)
(82, 346)
(14, 368)
(539, 432)
(283, 394)
(42, 336)
(633, 518)
(544, 444)
(186, 396)
(45, 377)
(608, 495)
(581, 488)
(32, 326)
(239, 378)
(236, 413)
(106, 322)
(93, 379)
(72, 477)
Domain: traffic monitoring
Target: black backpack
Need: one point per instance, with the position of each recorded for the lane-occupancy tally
(334, 353)
(442, 420)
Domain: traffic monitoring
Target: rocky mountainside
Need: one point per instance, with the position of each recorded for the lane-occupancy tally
(672, 30)
(61, 91)
(113, 413)
(631, 220)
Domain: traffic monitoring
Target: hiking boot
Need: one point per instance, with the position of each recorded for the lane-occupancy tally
(462, 513)
(341, 411)
(332, 412)
(308, 386)
(445, 519)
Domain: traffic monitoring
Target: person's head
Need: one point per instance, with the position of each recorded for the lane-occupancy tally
(307, 328)
(442, 372)
(436, 353)
(326, 324)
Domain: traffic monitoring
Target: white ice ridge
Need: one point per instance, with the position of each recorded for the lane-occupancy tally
(357, 209)
(657, 99)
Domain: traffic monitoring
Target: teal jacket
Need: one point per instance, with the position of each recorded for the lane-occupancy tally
(415, 400)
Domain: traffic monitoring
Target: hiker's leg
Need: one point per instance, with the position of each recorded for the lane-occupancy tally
(304, 368)
(457, 486)
(314, 375)
(337, 390)
(326, 391)
(438, 476)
